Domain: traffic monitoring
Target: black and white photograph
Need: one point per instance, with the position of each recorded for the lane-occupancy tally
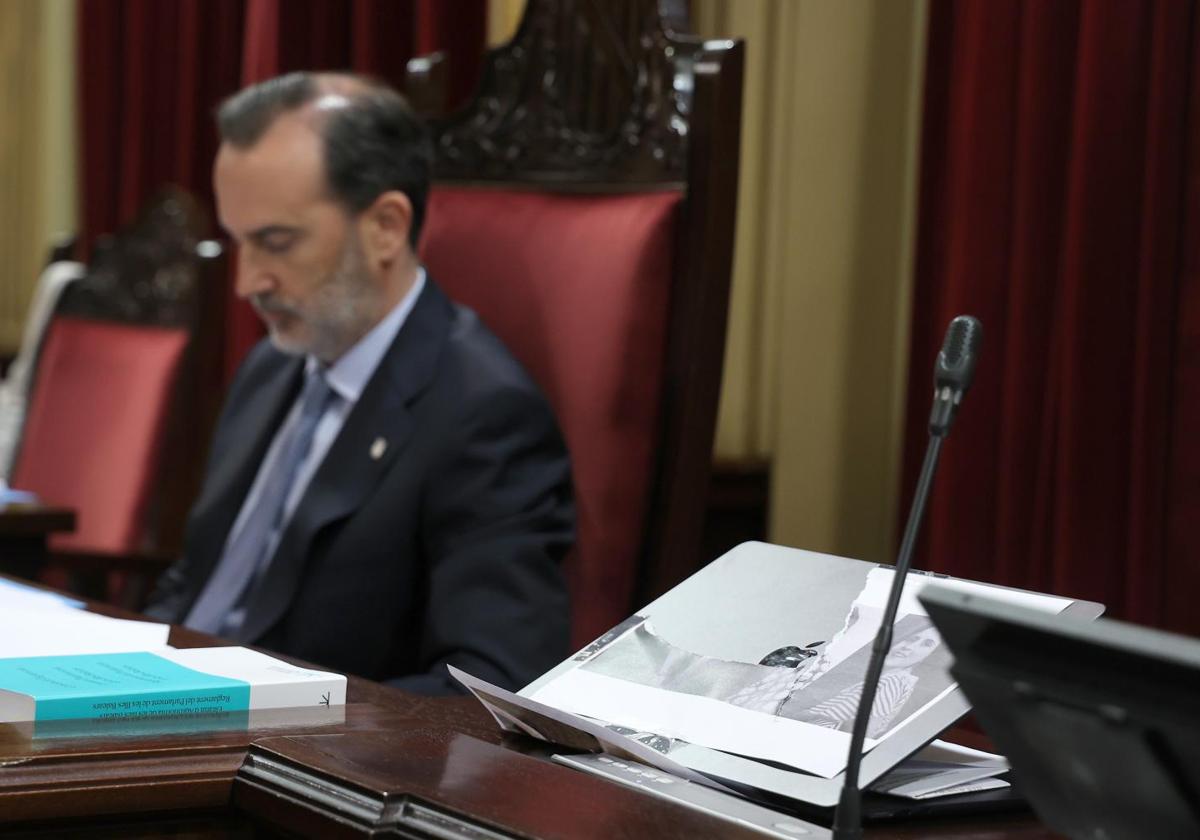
(913, 674)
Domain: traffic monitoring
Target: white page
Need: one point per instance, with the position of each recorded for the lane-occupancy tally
(969, 787)
(918, 778)
(611, 742)
(950, 753)
(62, 632)
(879, 583)
(700, 720)
(15, 595)
(239, 663)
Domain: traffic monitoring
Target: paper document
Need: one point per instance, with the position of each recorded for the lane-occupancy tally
(941, 768)
(749, 674)
(55, 631)
(797, 711)
(969, 787)
(518, 714)
(13, 595)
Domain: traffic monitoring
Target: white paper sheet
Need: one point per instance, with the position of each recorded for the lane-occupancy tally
(969, 787)
(700, 720)
(946, 752)
(52, 631)
(612, 742)
(15, 595)
(879, 581)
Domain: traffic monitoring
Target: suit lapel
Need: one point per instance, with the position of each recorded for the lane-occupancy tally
(374, 434)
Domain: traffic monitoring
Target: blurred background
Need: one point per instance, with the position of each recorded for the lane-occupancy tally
(902, 161)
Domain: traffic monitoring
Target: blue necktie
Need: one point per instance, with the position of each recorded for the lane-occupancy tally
(220, 607)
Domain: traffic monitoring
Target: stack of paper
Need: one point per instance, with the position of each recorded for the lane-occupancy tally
(34, 622)
(943, 769)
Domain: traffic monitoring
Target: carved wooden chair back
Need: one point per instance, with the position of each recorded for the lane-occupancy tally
(584, 205)
(127, 385)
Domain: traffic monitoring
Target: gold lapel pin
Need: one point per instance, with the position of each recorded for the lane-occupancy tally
(378, 448)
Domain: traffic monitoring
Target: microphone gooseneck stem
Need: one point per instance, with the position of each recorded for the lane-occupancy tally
(847, 819)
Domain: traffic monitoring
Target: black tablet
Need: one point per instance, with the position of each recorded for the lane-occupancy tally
(1099, 719)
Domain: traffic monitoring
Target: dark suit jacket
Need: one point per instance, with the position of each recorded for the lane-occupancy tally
(444, 549)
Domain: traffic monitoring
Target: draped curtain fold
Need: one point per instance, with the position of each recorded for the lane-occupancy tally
(1058, 146)
(150, 74)
(818, 324)
(22, 241)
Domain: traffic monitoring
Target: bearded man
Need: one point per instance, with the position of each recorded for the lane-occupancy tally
(387, 491)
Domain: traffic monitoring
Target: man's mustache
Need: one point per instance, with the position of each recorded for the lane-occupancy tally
(266, 304)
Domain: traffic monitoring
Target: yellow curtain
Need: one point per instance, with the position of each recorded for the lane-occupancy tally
(502, 19)
(37, 147)
(816, 356)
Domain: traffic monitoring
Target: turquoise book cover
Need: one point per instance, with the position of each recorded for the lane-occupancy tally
(112, 685)
(192, 683)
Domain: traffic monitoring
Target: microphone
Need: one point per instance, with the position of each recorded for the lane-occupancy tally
(952, 374)
(953, 371)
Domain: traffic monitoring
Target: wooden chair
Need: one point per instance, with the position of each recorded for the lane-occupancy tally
(584, 205)
(60, 272)
(125, 392)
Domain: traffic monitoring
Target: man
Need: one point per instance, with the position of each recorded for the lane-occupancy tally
(387, 491)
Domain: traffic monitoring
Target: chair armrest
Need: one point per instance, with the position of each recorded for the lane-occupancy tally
(90, 574)
(140, 562)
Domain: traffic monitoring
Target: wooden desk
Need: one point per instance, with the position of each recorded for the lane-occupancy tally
(381, 784)
(24, 530)
(393, 751)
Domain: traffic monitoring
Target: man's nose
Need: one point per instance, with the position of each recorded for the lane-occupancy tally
(253, 278)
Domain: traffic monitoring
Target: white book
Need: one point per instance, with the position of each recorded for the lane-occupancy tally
(163, 684)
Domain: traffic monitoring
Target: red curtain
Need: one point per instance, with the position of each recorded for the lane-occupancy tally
(150, 73)
(1058, 140)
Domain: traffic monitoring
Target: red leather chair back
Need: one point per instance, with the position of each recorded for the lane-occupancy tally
(94, 428)
(578, 287)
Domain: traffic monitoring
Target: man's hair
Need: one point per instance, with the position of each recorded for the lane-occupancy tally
(373, 144)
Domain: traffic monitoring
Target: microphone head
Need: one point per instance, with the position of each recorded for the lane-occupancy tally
(955, 365)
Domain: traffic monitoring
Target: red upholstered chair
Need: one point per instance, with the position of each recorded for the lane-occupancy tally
(584, 206)
(124, 393)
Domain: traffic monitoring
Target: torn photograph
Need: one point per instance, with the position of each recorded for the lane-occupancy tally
(763, 654)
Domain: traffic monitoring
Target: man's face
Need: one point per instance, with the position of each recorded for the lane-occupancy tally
(300, 260)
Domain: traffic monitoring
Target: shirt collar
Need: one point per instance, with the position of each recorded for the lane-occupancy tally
(348, 376)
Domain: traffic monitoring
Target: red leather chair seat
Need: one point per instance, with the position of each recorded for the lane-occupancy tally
(578, 287)
(94, 428)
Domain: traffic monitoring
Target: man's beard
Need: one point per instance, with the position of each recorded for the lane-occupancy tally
(342, 309)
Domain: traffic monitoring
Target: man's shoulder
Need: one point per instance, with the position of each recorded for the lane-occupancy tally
(476, 359)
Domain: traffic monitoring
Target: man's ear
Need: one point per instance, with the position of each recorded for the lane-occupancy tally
(385, 225)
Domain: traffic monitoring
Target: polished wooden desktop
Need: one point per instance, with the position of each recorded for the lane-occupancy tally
(394, 764)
